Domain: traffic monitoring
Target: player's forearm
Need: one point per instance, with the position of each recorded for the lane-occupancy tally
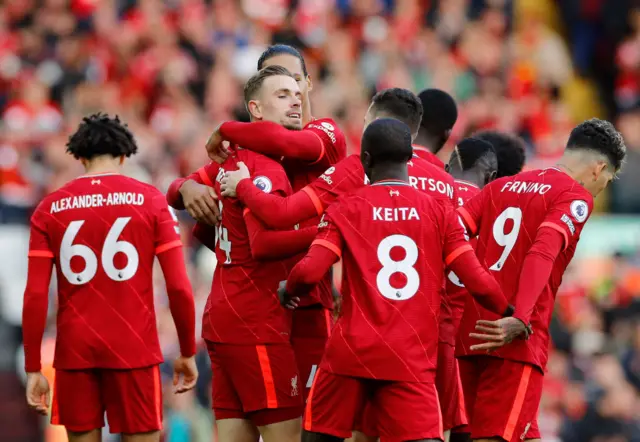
(274, 140)
(34, 312)
(536, 271)
(174, 198)
(277, 244)
(181, 302)
(274, 210)
(480, 283)
(310, 270)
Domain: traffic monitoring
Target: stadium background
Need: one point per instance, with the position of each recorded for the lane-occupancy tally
(173, 69)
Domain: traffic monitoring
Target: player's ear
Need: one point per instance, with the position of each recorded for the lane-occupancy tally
(491, 176)
(600, 167)
(255, 110)
(309, 83)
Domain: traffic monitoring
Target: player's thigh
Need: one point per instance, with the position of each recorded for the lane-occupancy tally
(77, 401)
(264, 377)
(225, 401)
(333, 404)
(408, 411)
(507, 400)
(449, 388)
(85, 436)
(133, 400)
(282, 431)
(469, 370)
(359, 436)
(152, 436)
(237, 430)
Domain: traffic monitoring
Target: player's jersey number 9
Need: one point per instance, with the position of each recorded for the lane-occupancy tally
(404, 266)
(110, 248)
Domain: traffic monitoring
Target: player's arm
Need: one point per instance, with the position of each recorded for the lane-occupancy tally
(195, 194)
(460, 257)
(325, 251)
(168, 249)
(34, 312)
(276, 244)
(274, 140)
(471, 212)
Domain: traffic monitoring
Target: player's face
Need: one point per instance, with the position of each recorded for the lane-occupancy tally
(280, 102)
(602, 175)
(293, 65)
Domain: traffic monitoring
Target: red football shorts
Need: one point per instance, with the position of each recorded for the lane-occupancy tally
(310, 330)
(450, 388)
(502, 398)
(404, 410)
(259, 383)
(132, 399)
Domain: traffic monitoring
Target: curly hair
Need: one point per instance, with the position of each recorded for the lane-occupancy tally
(401, 104)
(99, 134)
(599, 136)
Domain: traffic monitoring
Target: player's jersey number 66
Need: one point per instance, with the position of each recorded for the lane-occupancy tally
(110, 247)
(404, 266)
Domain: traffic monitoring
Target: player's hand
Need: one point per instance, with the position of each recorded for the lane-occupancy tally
(200, 202)
(185, 367)
(38, 393)
(216, 148)
(230, 181)
(496, 334)
(288, 301)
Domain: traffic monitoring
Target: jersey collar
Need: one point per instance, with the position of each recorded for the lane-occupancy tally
(93, 175)
(390, 183)
(467, 183)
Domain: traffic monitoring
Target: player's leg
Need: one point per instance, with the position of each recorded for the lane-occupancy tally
(359, 436)
(365, 429)
(231, 421)
(317, 437)
(469, 370)
(77, 404)
(507, 401)
(408, 411)
(449, 390)
(133, 401)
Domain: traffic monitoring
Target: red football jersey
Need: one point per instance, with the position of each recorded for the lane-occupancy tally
(427, 155)
(104, 232)
(394, 242)
(302, 173)
(243, 306)
(348, 175)
(451, 313)
(507, 214)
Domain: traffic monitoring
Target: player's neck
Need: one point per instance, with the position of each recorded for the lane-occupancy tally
(391, 172)
(102, 165)
(469, 176)
(572, 167)
(306, 113)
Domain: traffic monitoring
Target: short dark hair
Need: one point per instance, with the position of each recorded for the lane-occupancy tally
(439, 111)
(99, 134)
(401, 104)
(599, 136)
(253, 85)
(469, 151)
(510, 150)
(387, 140)
(281, 49)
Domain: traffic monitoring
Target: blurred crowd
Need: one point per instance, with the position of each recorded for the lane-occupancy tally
(173, 69)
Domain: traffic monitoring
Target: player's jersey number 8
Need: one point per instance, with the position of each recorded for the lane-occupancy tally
(110, 248)
(404, 266)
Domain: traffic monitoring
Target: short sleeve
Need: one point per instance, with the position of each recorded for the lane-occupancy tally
(334, 145)
(568, 213)
(167, 232)
(456, 241)
(270, 177)
(39, 245)
(337, 180)
(471, 212)
(328, 233)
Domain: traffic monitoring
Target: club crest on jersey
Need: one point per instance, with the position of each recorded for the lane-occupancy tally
(394, 192)
(263, 183)
(327, 125)
(329, 171)
(579, 210)
(294, 386)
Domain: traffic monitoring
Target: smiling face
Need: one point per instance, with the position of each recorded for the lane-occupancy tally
(278, 100)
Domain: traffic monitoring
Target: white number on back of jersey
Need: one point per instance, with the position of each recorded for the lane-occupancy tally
(404, 266)
(222, 235)
(506, 239)
(110, 248)
(452, 276)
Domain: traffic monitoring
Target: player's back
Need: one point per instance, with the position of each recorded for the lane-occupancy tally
(104, 232)
(243, 306)
(392, 280)
(510, 211)
(433, 180)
